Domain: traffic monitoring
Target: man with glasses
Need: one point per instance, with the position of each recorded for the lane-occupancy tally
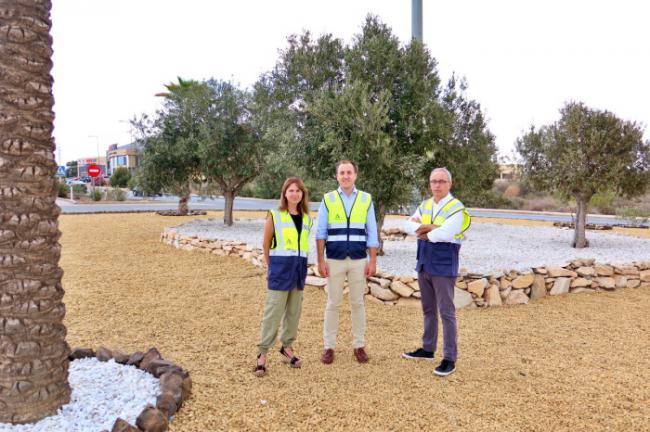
(439, 224)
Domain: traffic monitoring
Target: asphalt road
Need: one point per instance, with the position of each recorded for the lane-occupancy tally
(197, 203)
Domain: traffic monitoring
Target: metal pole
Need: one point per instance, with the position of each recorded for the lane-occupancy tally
(416, 20)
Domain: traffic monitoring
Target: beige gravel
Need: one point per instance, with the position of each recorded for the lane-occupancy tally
(576, 362)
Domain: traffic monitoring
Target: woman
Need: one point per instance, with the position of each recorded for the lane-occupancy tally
(285, 245)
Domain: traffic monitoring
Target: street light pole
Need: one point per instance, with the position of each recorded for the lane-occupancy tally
(416, 20)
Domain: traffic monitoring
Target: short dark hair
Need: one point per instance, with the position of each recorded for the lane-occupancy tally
(346, 161)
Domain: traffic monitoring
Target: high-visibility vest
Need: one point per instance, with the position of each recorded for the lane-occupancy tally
(346, 234)
(286, 235)
(451, 208)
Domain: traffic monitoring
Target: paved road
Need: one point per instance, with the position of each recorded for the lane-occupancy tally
(217, 204)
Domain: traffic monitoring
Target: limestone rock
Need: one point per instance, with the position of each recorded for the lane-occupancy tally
(401, 288)
(644, 275)
(517, 297)
(561, 286)
(493, 296)
(462, 299)
(627, 270)
(505, 293)
(586, 271)
(560, 272)
(606, 282)
(604, 270)
(382, 293)
(620, 281)
(582, 290)
(414, 285)
(417, 294)
(580, 282)
(633, 283)
(382, 282)
(523, 281)
(478, 287)
(504, 283)
(539, 287)
(315, 281)
(461, 285)
(373, 299)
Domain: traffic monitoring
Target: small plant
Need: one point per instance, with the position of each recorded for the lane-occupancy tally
(633, 216)
(96, 194)
(79, 189)
(603, 201)
(63, 190)
(117, 194)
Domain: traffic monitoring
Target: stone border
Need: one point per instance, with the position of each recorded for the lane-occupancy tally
(175, 386)
(472, 289)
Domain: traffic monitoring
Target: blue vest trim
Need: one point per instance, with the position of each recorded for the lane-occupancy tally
(286, 273)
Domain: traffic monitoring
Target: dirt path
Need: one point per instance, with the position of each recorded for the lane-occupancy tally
(576, 362)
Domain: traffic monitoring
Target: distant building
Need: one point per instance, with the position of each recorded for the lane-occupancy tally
(127, 156)
(510, 171)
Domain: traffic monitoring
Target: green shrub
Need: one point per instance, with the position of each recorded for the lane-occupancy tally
(63, 190)
(120, 177)
(117, 194)
(79, 189)
(603, 201)
(96, 194)
(633, 216)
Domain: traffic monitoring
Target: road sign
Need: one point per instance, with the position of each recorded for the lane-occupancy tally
(60, 172)
(94, 170)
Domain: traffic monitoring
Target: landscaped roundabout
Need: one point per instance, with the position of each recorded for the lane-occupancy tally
(567, 362)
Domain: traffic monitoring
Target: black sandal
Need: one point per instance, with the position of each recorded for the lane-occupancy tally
(293, 361)
(260, 370)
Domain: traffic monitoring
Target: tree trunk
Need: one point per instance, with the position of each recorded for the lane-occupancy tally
(229, 197)
(579, 239)
(380, 225)
(182, 203)
(33, 351)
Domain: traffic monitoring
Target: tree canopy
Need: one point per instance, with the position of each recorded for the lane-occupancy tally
(585, 152)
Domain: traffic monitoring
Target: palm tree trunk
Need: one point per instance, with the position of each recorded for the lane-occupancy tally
(33, 351)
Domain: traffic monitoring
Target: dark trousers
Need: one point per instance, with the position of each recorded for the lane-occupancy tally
(438, 296)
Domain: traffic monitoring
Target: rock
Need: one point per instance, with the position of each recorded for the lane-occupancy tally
(492, 296)
(406, 279)
(159, 366)
(187, 387)
(644, 275)
(401, 288)
(135, 359)
(166, 404)
(103, 354)
(172, 383)
(382, 282)
(627, 271)
(417, 295)
(606, 282)
(382, 293)
(120, 357)
(478, 287)
(121, 425)
(412, 302)
(560, 272)
(505, 293)
(310, 271)
(561, 286)
(633, 283)
(315, 281)
(580, 282)
(586, 271)
(373, 299)
(620, 281)
(149, 356)
(582, 290)
(604, 270)
(79, 353)
(504, 283)
(538, 289)
(517, 297)
(414, 285)
(523, 281)
(152, 420)
(462, 298)
(540, 270)
(461, 285)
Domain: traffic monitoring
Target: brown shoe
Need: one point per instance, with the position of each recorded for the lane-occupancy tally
(361, 355)
(327, 357)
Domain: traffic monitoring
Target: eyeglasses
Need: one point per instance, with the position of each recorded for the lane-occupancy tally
(438, 182)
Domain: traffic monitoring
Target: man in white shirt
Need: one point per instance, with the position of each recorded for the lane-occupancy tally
(439, 223)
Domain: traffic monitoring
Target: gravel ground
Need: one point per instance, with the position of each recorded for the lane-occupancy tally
(573, 362)
(101, 392)
(511, 247)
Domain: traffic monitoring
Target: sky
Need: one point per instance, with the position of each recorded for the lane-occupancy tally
(523, 60)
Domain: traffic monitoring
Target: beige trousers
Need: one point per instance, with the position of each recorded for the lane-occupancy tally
(354, 271)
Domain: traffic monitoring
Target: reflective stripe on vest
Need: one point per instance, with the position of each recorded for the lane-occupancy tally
(286, 235)
(451, 208)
